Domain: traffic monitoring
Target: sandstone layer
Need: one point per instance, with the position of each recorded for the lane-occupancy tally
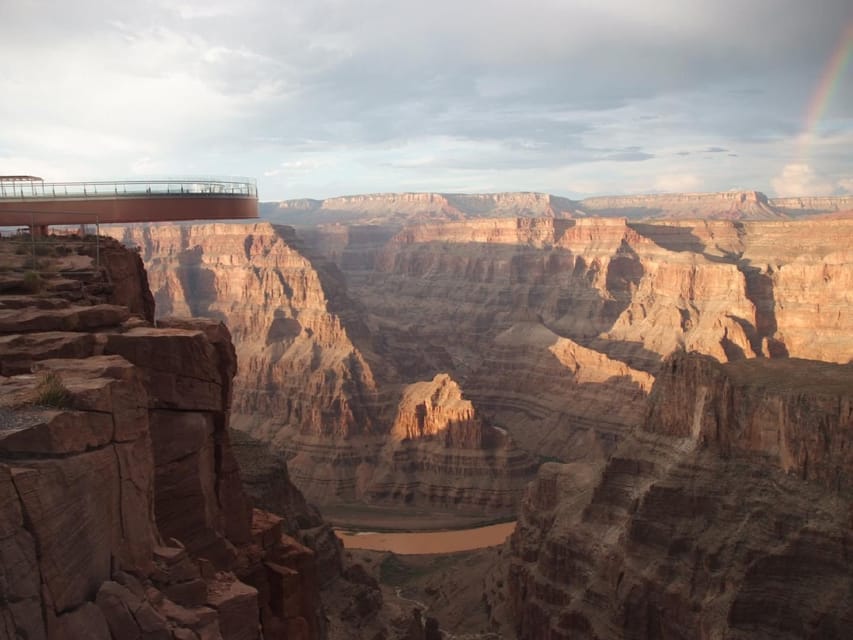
(311, 381)
(493, 296)
(552, 328)
(123, 511)
(726, 515)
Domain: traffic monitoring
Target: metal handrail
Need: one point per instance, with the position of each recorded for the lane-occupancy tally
(191, 186)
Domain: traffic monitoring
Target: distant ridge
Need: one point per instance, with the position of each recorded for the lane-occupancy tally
(813, 204)
(408, 208)
(728, 205)
(405, 208)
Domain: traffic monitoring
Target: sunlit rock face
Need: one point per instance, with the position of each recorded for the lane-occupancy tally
(306, 383)
(553, 328)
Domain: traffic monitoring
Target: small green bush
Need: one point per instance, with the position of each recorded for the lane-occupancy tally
(33, 282)
(52, 393)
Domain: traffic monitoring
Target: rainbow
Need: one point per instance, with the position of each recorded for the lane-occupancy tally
(832, 73)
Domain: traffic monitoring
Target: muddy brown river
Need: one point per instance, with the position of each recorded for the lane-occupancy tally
(428, 541)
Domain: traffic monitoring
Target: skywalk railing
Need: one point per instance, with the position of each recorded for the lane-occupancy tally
(215, 187)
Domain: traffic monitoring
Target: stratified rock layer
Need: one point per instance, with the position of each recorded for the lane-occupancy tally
(554, 328)
(123, 511)
(306, 383)
(726, 515)
(406, 208)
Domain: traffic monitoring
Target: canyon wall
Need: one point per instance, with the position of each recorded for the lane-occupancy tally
(552, 328)
(726, 515)
(312, 382)
(502, 299)
(124, 515)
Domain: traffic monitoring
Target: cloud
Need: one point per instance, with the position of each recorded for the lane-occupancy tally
(487, 92)
(679, 182)
(799, 179)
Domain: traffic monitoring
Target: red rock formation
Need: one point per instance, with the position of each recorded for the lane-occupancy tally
(123, 511)
(297, 359)
(726, 515)
(437, 410)
(543, 321)
(305, 382)
(440, 453)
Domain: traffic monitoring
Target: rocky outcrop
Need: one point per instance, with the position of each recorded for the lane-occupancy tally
(437, 410)
(441, 453)
(795, 414)
(124, 515)
(725, 515)
(297, 359)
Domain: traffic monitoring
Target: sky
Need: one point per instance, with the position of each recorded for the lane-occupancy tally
(318, 98)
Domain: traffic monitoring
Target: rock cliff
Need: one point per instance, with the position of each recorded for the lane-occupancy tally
(313, 382)
(522, 308)
(441, 453)
(492, 296)
(542, 322)
(726, 515)
(123, 511)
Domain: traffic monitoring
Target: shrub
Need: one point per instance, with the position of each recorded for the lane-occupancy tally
(52, 393)
(32, 282)
(44, 250)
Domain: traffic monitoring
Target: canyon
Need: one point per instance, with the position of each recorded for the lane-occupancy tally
(536, 324)
(314, 383)
(664, 404)
(124, 514)
(727, 514)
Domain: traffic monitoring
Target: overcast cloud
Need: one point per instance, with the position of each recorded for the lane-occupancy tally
(318, 98)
